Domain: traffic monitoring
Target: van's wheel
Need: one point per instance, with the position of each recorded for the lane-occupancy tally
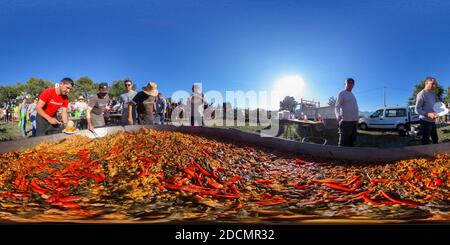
(363, 126)
(408, 126)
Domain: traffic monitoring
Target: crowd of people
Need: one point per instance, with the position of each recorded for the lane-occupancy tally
(23, 113)
(51, 111)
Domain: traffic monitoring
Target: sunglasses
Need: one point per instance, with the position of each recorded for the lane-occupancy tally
(128, 84)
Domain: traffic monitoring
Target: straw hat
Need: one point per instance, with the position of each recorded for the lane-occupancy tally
(150, 89)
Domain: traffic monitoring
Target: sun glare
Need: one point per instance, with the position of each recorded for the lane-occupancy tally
(291, 85)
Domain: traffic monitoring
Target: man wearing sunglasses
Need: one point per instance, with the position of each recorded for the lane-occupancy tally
(125, 98)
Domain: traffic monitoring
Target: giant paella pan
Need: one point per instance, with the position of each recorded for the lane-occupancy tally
(164, 174)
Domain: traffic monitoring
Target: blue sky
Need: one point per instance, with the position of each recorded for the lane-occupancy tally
(232, 45)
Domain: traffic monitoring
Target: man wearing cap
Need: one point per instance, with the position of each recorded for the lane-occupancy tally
(97, 106)
(425, 101)
(50, 101)
(347, 114)
(145, 104)
(125, 99)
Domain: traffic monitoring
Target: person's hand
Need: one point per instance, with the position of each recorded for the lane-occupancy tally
(91, 128)
(130, 121)
(432, 115)
(108, 108)
(53, 121)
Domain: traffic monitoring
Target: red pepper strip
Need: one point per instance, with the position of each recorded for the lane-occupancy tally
(232, 180)
(300, 187)
(263, 181)
(68, 205)
(144, 172)
(338, 187)
(21, 182)
(273, 201)
(214, 174)
(190, 172)
(328, 181)
(299, 161)
(233, 189)
(214, 184)
(333, 197)
(35, 187)
(266, 195)
(437, 182)
(84, 157)
(198, 177)
(356, 185)
(97, 178)
(239, 206)
(428, 197)
(223, 169)
(368, 200)
(202, 170)
(198, 197)
(342, 199)
(410, 184)
(72, 181)
(228, 195)
(69, 199)
(387, 202)
(52, 198)
(397, 201)
(17, 195)
(18, 180)
(428, 184)
(352, 180)
(146, 160)
(206, 153)
(183, 181)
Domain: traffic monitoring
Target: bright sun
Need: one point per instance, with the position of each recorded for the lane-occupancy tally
(291, 85)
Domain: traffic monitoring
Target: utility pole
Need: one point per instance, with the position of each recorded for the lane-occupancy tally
(384, 92)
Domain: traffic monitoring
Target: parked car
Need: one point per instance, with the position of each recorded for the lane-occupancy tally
(398, 118)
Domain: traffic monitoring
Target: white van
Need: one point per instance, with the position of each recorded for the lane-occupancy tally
(397, 118)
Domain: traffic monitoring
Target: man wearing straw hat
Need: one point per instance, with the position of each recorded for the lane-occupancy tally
(145, 102)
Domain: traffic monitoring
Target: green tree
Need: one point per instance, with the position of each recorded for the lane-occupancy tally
(439, 90)
(84, 86)
(35, 86)
(447, 97)
(117, 88)
(9, 92)
(288, 104)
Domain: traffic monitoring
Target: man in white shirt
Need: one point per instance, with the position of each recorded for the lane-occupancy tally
(347, 114)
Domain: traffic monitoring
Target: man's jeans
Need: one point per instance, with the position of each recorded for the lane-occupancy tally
(428, 129)
(347, 133)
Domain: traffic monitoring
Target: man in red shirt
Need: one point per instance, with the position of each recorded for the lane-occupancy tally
(49, 103)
